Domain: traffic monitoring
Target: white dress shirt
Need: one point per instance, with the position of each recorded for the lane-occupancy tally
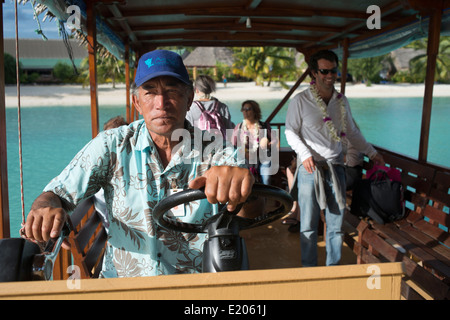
(308, 135)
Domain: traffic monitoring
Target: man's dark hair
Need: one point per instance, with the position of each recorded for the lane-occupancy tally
(323, 54)
(114, 123)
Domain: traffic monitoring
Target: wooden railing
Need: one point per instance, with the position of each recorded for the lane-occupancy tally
(381, 281)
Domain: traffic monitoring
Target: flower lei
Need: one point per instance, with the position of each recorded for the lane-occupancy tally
(247, 133)
(326, 117)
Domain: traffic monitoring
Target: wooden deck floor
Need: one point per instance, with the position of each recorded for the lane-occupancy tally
(272, 246)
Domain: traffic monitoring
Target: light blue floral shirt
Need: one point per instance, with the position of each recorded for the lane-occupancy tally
(126, 164)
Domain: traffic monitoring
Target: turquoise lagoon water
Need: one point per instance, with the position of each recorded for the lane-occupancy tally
(53, 135)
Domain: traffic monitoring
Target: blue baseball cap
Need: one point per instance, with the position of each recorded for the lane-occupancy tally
(159, 63)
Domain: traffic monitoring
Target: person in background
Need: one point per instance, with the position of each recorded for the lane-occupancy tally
(205, 85)
(115, 122)
(137, 166)
(254, 134)
(318, 124)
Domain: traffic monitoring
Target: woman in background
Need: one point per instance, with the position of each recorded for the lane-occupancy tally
(254, 134)
(205, 85)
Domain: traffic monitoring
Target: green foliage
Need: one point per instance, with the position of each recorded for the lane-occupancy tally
(366, 69)
(10, 69)
(265, 64)
(10, 72)
(109, 70)
(64, 72)
(418, 64)
(29, 78)
(403, 77)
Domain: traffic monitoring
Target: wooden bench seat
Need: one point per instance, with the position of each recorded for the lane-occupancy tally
(88, 240)
(420, 240)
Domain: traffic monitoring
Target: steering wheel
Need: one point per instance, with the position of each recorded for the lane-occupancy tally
(185, 196)
(224, 249)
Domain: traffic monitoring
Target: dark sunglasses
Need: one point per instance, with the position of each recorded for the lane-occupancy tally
(327, 71)
(246, 109)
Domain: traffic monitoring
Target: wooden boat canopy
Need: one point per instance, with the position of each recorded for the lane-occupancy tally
(303, 24)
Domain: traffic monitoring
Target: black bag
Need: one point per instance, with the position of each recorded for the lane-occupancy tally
(380, 199)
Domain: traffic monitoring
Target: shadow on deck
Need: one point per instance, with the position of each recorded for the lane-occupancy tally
(272, 246)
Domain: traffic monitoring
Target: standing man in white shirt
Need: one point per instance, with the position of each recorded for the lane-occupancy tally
(318, 124)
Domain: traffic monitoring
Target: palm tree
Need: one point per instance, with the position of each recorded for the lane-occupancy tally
(261, 63)
(418, 63)
(366, 69)
(109, 68)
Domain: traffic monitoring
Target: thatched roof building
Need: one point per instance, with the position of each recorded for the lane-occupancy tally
(401, 57)
(208, 57)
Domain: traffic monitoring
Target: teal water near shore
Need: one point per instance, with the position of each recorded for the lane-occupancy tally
(53, 135)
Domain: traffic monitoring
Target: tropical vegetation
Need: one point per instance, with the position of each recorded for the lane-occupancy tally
(265, 64)
(417, 65)
(10, 71)
(381, 68)
(109, 70)
(367, 70)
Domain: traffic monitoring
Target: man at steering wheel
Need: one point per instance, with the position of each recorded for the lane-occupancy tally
(137, 166)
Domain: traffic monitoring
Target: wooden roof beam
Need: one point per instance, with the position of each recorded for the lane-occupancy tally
(123, 23)
(277, 12)
(294, 12)
(392, 26)
(349, 29)
(233, 24)
(180, 25)
(372, 33)
(253, 4)
(220, 36)
(426, 7)
(110, 1)
(215, 43)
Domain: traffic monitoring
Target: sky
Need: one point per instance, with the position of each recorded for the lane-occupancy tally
(27, 24)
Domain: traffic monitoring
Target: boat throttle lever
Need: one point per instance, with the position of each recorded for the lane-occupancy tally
(42, 266)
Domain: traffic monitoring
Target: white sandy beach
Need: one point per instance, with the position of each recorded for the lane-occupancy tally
(69, 95)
